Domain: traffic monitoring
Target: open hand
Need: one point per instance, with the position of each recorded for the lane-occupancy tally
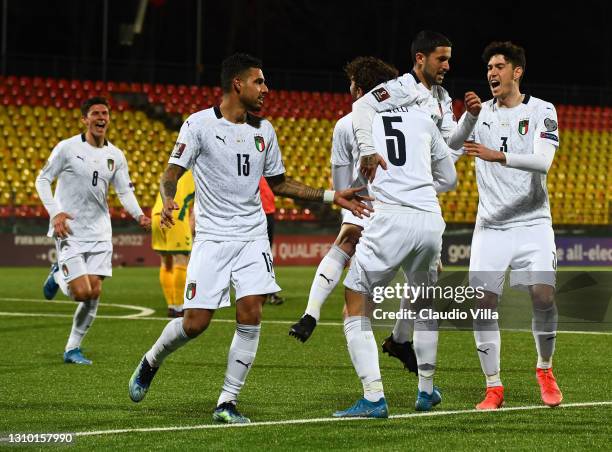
(349, 199)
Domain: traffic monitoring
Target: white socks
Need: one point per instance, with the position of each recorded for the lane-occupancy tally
(172, 337)
(83, 318)
(364, 355)
(544, 327)
(426, 350)
(488, 345)
(326, 279)
(404, 327)
(239, 361)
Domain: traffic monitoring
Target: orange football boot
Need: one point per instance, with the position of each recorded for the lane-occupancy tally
(551, 394)
(493, 400)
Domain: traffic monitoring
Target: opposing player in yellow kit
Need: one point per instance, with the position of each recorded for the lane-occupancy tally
(174, 244)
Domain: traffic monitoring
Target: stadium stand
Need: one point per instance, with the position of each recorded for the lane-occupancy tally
(35, 113)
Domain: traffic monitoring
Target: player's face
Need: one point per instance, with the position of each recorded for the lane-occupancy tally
(502, 76)
(253, 89)
(97, 120)
(436, 65)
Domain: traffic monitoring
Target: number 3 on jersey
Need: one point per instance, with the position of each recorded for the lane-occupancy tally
(244, 167)
(504, 146)
(397, 155)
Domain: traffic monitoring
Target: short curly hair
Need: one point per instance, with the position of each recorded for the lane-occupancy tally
(513, 53)
(367, 72)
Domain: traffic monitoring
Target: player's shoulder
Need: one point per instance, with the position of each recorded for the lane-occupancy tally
(201, 118)
(259, 122)
(539, 104)
(441, 94)
(72, 141)
(344, 124)
(407, 79)
(114, 149)
(488, 105)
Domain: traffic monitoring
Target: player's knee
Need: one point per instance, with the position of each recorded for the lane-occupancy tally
(194, 327)
(81, 293)
(250, 316)
(542, 297)
(348, 240)
(488, 300)
(181, 259)
(96, 292)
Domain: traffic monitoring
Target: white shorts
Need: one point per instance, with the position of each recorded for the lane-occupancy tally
(397, 237)
(529, 251)
(348, 217)
(214, 265)
(76, 258)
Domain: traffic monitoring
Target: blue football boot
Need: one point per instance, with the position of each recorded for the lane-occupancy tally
(365, 408)
(141, 380)
(75, 356)
(228, 414)
(50, 287)
(425, 402)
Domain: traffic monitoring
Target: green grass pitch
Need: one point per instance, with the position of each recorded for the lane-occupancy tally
(289, 380)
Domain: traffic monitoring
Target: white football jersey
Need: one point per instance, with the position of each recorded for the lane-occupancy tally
(407, 90)
(510, 197)
(345, 151)
(84, 174)
(411, 142)
(228, 160)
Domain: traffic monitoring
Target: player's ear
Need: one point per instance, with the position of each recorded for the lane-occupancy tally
(518, 73)
(237, 84)
(420, 58)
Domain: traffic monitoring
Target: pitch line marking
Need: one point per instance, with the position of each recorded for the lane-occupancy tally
(333, 419)
(145, 314)
(142, 311)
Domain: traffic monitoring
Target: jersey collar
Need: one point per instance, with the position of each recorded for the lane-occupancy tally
(84, 139)
(217, 111)
(525, 99)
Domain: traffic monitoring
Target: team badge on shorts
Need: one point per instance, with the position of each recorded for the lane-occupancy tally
(191, 291)
(65, 270)
(111, 164)
(260, 144)
(523, 126)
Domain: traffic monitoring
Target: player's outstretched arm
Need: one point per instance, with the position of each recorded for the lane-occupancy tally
(348, 199)
(167, 189)
(464, 129)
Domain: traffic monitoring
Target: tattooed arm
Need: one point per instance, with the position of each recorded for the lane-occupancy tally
(348, 199)
(290, 188)
(167, 188)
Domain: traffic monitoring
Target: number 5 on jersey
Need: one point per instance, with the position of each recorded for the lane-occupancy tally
(397, 155)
